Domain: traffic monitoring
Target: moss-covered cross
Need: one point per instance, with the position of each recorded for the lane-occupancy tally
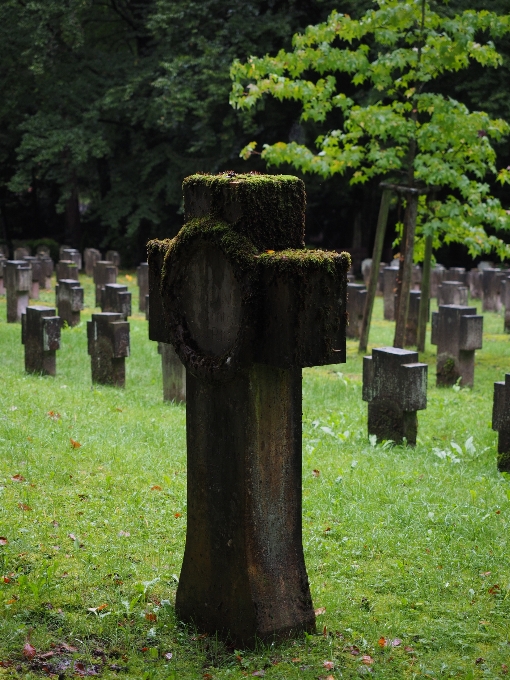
(246, 307)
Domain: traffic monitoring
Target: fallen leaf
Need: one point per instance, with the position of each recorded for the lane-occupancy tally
(102, 606)
(479, 660)
(75, 444)
(6, 579)
(396, 642)
(354, 650)
(504, 668)
(367, 659)
(259, 674)
(129, 277)
(177, 514)
(150, 616)
(296, 660)
(118, 409)
(320, 610)
(29, 650)
(329, 665)
(270, 251)
(408, 649)
(382, 642)
(72, 537)
(207, 676)
(124, 533)
(24, 506)
(329, 677)
(156, 487)
(11, 601)
(46, 655)
(494, 589)
(54, 415)
(18, 478)
(3, 540)
(315, 473)
(485, 573)
(168, 655)
(144, 649)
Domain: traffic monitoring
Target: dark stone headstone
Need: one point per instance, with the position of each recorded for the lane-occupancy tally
(69, 301)
(356, 298)
(174, 373)
(47, 271)
(104, 272)
(116, 298)
(491, 286)
(142, 275)
(73, 255)
(436, 279)
(40, 333)
(108, 346)
(456, 274)
(416, 277)
(395, 387)
(43, 250)
(246, 307)
(390, 288)
(37, 275)
(18, 285)
(91, 257)
(113, 256)
(457, 332)
(475, 284)
(452, 293)
(366, 271)
(21, 252)
(67, 269)
(501, 422)
(413, 315)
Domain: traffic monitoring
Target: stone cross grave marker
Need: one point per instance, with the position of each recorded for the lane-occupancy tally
(174, 373)
(47, 271)
(40, 333)
(395, 387)
(356, 299)
(116, 298)
(67, 269)
(69, 301)
(390, 288)
(91, 256)
(43, 250)
(21, 251)
(108, 347)
(411, 338)
(452, 293)
(113, 256)
(491, 289)
(456, 274)
(73, 255)
(104, 272)
(18, 284)
(436, 278)
(457, 331)
(142, 275)
(475, 283)
(501, 422)
(37, 275)
(246, 306)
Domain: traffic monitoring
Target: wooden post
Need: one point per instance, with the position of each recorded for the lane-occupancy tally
(382, 221)
(425, 293)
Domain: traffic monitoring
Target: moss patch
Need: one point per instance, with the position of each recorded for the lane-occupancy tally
(267, 209)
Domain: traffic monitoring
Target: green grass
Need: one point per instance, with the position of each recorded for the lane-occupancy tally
(401, 544)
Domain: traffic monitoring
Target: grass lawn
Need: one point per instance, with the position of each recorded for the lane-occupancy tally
(407, 549)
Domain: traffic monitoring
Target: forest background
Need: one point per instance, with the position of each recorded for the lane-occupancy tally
(108, 104)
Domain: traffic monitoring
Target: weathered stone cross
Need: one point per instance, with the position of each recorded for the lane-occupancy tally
(246, 307)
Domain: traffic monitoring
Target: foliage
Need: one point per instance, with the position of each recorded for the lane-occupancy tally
(398, 126)
(406, 550)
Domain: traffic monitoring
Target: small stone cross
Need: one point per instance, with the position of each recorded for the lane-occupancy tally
(40, 333)
(108, 346)
(246, 307)
(18, 285)
(69, 298)
(116, 298)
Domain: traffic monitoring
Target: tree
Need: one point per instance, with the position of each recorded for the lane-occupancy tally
(398, 128)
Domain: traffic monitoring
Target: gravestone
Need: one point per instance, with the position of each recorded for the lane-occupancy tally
(390, 288)
(47, 271)
(505, 301)
(37, 275)
(416, 277)
(116, 298)
(91, 257)
(356, 299)
(18, 284)
(485, 265)
(366, 271)
(174, 373)
(501, 422)
(67, 269)
(475, 284)
(104, 272)
(457, 332)
(4, 250)
(411, 338)
(3, 262)
(246, 307)
(69, 301)
(491, 287)
(21, 252)
(452, 293)
(113, 256)
(142, 275)
(40, 333)
(456, 274)
(73, 255)
(108, 347)
(436, 278)
(395, 387)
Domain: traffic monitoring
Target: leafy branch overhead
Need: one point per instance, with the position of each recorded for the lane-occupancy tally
(395, 126)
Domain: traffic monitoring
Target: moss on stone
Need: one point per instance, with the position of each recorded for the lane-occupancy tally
(267, 209)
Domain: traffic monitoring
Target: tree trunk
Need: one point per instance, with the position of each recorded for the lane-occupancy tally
(407, 268)
(382, 221)
(425, 294)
